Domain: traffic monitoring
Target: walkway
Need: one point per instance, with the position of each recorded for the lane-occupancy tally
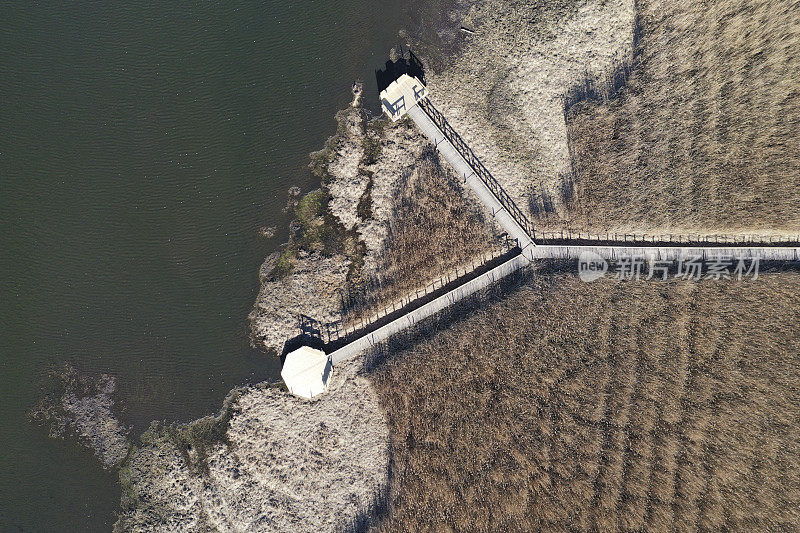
(668, 253)
(429, 309)
(570, 245)
(495, 199)
(532, 245)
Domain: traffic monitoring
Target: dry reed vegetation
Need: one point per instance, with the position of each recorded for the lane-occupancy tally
(704, 136)
(609, 406)
(435, 228)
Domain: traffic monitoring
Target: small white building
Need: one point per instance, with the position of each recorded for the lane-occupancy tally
(401, 95)
(306, 372)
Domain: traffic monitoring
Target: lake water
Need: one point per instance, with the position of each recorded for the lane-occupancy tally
(141, 148)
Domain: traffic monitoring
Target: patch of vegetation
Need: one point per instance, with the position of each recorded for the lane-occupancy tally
(321, 160)
(318, 230)
(284, 265)
(130, 496)
(372, 150)
(195, 440)
(373, 140)
(311, 206)
(364, 208)
(355, 250)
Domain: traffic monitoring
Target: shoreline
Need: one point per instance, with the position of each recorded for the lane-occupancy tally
(342, 233)
(326, 247)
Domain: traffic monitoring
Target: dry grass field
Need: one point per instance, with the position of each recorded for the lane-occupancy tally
(630, 406)
(704, 137)
(435, 228)
(611, 406)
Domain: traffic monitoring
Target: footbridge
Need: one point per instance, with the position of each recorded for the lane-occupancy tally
(408, 96)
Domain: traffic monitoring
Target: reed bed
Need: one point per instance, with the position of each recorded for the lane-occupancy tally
(704, 135)
(610, 406)
(436, 228)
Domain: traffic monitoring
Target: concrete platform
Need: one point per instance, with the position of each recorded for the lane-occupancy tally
(401, 96)
(306, 372)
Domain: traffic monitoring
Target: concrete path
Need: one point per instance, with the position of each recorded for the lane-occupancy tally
(442, 302)
(665, 253)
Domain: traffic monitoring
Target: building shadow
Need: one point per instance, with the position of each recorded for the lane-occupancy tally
(407, 63)
(310, 334)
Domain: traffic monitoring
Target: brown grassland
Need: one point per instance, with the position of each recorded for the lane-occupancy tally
(631, 406)
(605, 406)
(703, 137)
(433, 230)
(434, 227)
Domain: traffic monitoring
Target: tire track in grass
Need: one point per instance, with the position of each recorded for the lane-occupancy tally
(633, 499)
(710, 513)
(675, 373)
(705, 349)
(604, 334)
(608, 483)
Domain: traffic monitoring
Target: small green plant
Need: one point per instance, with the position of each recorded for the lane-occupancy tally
(130, 496)
(284, 265)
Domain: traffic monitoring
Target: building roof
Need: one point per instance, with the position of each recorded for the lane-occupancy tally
(401, 95)
(306, 372)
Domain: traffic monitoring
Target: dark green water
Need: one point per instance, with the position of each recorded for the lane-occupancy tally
(142, 145)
